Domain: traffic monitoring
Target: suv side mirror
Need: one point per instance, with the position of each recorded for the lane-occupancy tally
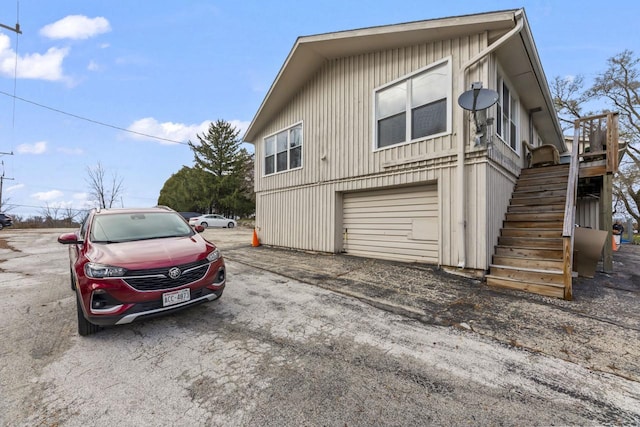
(69, 239)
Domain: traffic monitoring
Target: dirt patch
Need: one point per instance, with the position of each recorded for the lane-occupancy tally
(6, 245)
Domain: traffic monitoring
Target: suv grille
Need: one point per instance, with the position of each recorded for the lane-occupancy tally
(158, 278)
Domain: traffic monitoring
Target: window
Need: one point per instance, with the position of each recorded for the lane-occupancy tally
(415, 107)
(507, 112)
(283, 151)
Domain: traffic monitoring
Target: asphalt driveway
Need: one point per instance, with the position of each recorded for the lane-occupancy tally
(599, 329)
(278, 349)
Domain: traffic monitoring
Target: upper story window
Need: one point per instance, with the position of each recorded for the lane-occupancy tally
(507, 112)
(415, 107)
(283, 151)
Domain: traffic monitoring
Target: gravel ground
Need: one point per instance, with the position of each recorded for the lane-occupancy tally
(307, 339)
(599, 329)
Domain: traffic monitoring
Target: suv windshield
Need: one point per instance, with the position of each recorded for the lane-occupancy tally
(127, 227)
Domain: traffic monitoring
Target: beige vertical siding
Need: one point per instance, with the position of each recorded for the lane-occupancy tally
(302, 208)
(335, 108)
(499, 190)
(588, 213)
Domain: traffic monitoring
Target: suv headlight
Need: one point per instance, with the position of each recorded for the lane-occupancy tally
(99, 271)
(214, 255)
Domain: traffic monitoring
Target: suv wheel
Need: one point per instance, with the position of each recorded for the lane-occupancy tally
(84, 326)
(73, 279)
(1, 226)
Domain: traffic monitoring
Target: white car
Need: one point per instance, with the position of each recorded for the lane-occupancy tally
(212, 220)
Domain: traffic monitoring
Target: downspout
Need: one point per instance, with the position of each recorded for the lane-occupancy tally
(462, 218)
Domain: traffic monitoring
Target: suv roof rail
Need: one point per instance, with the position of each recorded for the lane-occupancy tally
(164, 207)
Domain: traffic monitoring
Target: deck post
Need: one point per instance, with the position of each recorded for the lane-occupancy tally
(606, 221)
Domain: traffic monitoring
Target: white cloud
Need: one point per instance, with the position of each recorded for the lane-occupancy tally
(36, 148)
(240, 125)
(76, 27)
(14, 188)
(167, 130)
(175, 131)
(82, 201)
(47, 66)
(46, 196)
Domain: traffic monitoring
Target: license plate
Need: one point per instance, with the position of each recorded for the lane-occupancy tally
(176, 297)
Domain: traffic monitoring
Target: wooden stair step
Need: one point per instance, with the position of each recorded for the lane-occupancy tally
(527, 274)
(531, 253)
(531, 242)
(536, 200)
(545, 170)
(534, 224)
(539, 193)
(534, 216)
(547, 289)
(556, 207)
(539, 264)
(540, 187)
(531, 232)
(541, 180)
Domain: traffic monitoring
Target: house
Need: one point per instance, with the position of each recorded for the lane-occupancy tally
(361, 146)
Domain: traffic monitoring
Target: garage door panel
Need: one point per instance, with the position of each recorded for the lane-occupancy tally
(414, 248)
(390, 255)
(424, 201)
(388, 217)
(399, 224)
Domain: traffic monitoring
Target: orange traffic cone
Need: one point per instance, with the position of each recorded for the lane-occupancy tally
(255, 242)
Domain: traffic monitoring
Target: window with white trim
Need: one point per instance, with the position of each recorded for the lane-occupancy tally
(415, 107)
(507, 112)
(283, 150)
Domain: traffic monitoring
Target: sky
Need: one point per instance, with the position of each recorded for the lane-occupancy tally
(85, 78)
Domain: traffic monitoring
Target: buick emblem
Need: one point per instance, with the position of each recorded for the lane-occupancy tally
(174, 273)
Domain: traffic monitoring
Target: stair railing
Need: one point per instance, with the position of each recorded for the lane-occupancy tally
(570, 215)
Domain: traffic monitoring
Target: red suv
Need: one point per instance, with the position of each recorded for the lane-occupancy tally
(128, 264)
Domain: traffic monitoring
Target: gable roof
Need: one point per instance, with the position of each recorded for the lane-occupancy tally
(519, 59)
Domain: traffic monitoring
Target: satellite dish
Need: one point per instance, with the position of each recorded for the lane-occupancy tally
(478, 98)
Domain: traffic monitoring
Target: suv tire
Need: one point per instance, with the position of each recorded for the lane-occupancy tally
(84, 326)
(73, 279)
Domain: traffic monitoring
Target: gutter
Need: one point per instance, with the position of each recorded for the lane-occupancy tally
(462, 218)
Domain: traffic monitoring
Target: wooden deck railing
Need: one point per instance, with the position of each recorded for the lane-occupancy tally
(597, 138)
(595, 141)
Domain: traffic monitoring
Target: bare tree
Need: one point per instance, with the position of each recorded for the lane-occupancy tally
(104, 191)
(568, 98)
(50, 214)
(69, 215)
(619, 85)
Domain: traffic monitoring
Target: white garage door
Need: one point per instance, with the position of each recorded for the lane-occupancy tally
(398, 224)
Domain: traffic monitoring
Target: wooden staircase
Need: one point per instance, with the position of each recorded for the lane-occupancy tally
(529, 253)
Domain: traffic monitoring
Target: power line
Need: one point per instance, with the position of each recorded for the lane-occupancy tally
(92, 120)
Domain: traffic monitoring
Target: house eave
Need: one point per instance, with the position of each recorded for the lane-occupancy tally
(309, 53)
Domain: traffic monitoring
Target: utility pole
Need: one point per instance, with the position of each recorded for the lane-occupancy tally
(2, 178)
(16, 30)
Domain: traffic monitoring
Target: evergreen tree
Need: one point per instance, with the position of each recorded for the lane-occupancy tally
(185, 191)
(224, 162)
